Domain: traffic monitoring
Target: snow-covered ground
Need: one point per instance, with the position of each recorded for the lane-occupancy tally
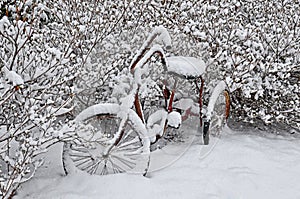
(238, 165)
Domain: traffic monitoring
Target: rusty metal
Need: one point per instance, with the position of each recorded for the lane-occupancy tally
(163, 61)
(227, 99)
(138, 107)
(170, 107)
(200, 100)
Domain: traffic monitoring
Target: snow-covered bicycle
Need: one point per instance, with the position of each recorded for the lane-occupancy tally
(117, 136)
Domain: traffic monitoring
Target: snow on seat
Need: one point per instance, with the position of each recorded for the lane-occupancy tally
(187, 66)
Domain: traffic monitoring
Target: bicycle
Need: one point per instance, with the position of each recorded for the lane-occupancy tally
(118, 136)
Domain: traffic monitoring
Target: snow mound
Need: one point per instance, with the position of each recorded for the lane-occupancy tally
(240, 165)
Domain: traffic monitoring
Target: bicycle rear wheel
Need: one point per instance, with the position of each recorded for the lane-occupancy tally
(108, 143)
(217, 117)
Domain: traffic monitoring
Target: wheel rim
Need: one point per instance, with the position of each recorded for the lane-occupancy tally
(97, 154)
(218, 117)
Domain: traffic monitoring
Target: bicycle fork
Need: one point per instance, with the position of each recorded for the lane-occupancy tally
(203, 121)
(206, 132)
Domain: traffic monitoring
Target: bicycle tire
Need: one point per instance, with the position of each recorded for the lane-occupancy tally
(217, 116)
(100, 151)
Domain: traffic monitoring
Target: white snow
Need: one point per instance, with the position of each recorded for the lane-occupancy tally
(174, 119)
(55, 51)
(238, 165)
(155, 123)
(62, 111)
(185, 104)
(4, 23)
(186, 66)
(141, 66)
(97, 109)
(220, 87)
(13, 77)
(163, 36)
(159, 33)
(1, 85)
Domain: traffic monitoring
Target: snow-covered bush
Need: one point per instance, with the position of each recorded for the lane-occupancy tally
(52, 52)
(43, 47)
(257, 47)
(103, 38)
(37, 71)
(254, 46)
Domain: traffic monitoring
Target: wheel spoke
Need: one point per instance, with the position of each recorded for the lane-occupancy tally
(126, 144)
(89, 155)
(80, 159)
(77, 155)
(218, 117)
(117, 167)
(94, 167)
(130, 131)
(124, 161)
(78, 165)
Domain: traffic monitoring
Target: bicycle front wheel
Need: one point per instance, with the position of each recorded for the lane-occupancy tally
(108, 143)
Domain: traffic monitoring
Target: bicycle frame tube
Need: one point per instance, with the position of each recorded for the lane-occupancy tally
(227, 110)
(145, 47)
(200, 100)
(166, 94)
(138, 106)
(170, 106)
(133, 67)
(117, 137)
(144, 55)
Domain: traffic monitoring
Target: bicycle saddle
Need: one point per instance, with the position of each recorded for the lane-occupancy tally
(189, 67)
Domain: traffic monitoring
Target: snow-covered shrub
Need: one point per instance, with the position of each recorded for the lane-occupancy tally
(102, 38)
(43, 47)
(244, 43)
(254, 46)
(257, 44)
(37, 71)
(45, 44)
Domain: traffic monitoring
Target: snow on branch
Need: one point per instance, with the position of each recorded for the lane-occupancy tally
(13, 77)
